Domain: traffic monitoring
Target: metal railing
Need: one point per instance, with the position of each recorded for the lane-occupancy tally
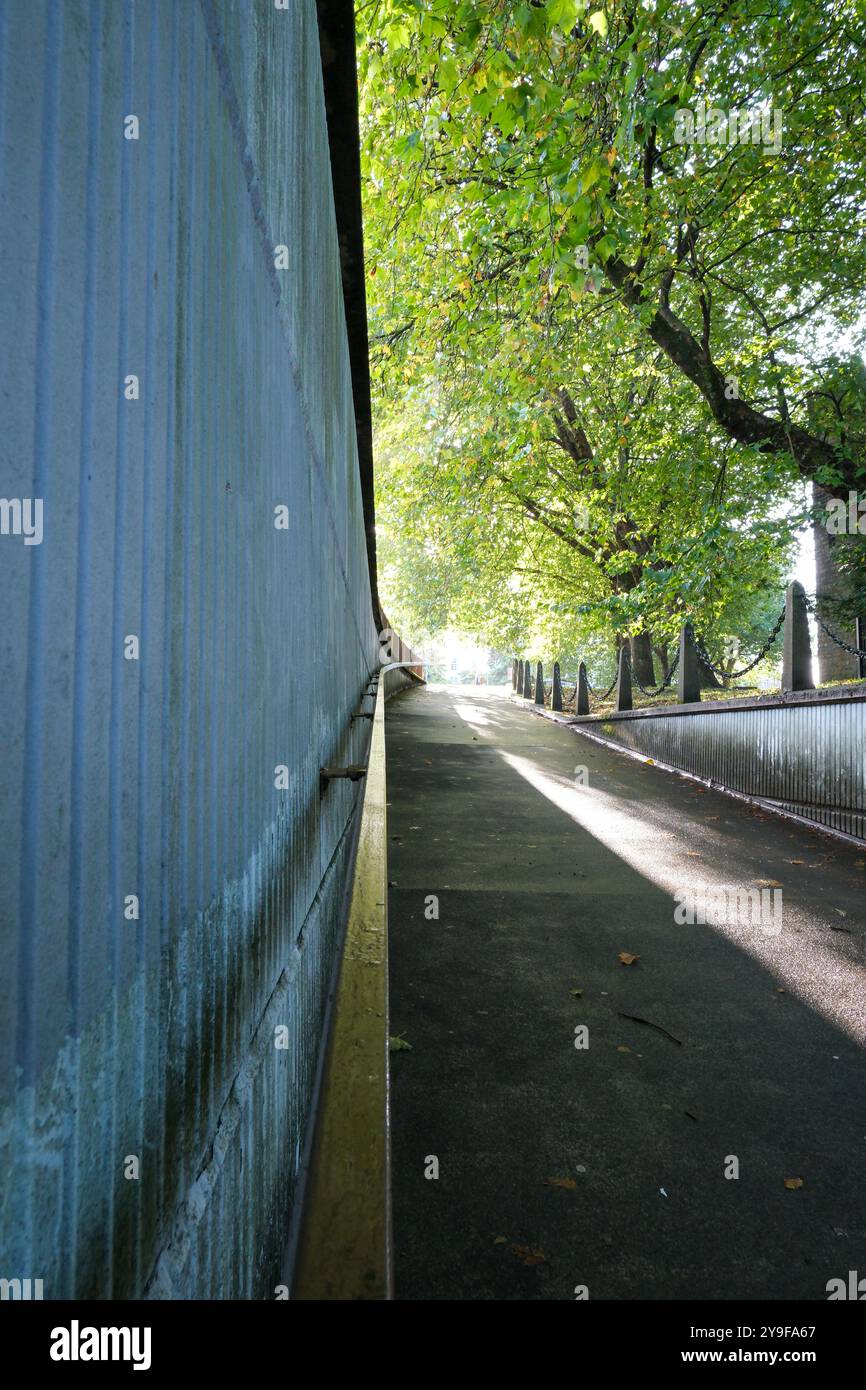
(344, 1247)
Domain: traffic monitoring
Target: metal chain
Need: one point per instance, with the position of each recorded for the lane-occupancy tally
(735, 675)
(595, 694)
(659, 688)
(846, 646)
(600, 696)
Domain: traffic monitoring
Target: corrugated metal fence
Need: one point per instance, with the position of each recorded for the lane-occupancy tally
(802, 754)
(184, 648)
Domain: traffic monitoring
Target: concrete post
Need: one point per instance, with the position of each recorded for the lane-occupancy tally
(539, 684)
(582, 698)
(688, 670)
(527, 681)
(556, 693)
(623, 679)
(797, 649)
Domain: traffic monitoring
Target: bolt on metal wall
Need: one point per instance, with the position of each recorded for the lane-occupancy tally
(187, 628)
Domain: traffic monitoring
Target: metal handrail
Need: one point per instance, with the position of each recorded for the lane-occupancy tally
(345, 1246)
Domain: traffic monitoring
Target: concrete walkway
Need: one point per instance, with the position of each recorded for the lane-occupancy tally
(540, 884)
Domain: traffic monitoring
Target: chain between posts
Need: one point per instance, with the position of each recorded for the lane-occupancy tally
(594, 693)
(735, 675)
(846, 646)
(659, 688)
(599, 697)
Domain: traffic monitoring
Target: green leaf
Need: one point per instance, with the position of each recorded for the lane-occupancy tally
(563, 13)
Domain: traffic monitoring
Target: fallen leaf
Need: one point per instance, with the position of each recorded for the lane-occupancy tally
(626, 958)
(568, 1184)
(840, 912)
(793, 1183)
(767, 883)
(529, 1254)
(693, 854)
(501, 1240)
(399, 1044)
(623, 1048)
(712, 818)
(796, 861)
(576, 992)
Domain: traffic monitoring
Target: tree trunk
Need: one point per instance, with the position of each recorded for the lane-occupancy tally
(709, 680)
(833, 663)
(641, 653)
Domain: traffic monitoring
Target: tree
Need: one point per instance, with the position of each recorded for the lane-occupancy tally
(697, 170)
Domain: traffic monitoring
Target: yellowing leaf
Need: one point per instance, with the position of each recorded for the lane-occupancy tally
(793, 1183)
(529, 1254)
(598, 22)
(626, 958)
(501, 1240)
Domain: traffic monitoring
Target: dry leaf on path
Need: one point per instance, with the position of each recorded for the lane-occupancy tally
(623, 1048)
(626, 958)
(767, 883)
(793, 1183)
(567, 1184)
(501, 1240)
(529, 1254)
(399, 1044)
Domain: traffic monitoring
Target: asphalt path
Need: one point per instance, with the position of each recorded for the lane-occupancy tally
(524, 860)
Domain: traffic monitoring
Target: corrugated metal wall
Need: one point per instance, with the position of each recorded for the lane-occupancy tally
(805, 758)
(146, 1043)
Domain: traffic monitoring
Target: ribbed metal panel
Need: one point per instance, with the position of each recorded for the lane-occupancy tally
(154, 1037)
(805, 758)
